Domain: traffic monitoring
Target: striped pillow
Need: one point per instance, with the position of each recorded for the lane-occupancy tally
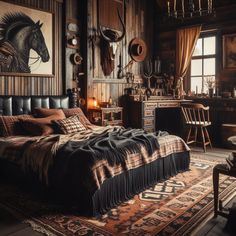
(69, 125)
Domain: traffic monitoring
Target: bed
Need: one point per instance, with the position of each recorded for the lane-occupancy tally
(93, 169)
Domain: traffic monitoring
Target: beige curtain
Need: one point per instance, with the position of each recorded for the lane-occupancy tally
(186, 40)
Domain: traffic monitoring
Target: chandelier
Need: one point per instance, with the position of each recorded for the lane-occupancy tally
(184, 9)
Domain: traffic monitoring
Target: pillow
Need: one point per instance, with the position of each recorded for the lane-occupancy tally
(10, 125)
(35, 127)
(45, 112)
(69, 125)
(77, 111)
(39, 126)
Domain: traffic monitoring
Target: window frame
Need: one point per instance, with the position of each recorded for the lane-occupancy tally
(214, 33)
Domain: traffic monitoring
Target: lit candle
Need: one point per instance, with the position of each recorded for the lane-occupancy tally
(168, 7)
(183, 7)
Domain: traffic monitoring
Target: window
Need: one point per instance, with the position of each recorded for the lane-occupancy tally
(203, 64)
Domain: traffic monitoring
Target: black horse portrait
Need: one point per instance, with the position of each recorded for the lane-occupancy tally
(18, 35)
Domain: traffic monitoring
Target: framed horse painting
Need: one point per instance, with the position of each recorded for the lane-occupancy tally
(26, 41)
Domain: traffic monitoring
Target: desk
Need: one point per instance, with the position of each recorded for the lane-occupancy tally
(144, 114)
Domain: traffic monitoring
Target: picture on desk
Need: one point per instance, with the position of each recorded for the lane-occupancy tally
(229, 51)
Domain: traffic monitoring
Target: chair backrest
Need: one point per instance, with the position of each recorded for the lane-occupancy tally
(195, 113)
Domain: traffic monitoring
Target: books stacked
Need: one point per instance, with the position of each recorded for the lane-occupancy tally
(231, 161)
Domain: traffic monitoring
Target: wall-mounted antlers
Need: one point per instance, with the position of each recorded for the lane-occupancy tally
(108, 45)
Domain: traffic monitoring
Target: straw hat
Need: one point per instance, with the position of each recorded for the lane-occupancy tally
(137, 49)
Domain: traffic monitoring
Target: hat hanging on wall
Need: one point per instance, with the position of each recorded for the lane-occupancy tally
(76, 59)
(137, 49)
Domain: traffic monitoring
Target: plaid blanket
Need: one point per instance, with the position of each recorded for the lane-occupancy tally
(50, 158)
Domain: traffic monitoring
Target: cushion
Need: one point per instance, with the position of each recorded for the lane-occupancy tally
(69, 125)
(10, 125)
(35, 127)
(39, 126)
(44, 112)
(77, 111)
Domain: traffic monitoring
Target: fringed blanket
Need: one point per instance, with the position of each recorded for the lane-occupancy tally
(86, 159)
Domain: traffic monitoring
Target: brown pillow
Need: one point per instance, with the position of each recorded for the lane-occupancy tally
(10, 125)
(77, 111)
(69, 125)
(45, 112)
(34, 127)
(39, 126)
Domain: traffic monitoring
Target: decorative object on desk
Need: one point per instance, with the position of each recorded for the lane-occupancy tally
(157, 66)
(188, 9)
(210, 83)
(229, 51)
(110, 101)
(148, 75)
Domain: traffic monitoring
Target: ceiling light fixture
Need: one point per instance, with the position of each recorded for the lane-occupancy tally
(187, 9)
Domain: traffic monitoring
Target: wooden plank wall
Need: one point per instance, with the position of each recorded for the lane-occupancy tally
(139, 23)
(20, 85)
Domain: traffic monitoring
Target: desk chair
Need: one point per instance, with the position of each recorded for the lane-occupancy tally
(197, 118)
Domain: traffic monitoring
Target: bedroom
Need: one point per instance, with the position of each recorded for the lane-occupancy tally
(66, 62)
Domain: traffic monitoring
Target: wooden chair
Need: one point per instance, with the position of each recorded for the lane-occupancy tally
(197, 118)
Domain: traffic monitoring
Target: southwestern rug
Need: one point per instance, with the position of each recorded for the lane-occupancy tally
(173, 207)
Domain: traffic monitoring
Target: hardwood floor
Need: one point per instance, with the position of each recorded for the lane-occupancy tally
(220, 226)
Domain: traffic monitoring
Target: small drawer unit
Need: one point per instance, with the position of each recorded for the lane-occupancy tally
(106, 116)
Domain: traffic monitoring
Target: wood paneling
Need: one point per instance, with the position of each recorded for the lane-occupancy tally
(139, 23)
(29, 85)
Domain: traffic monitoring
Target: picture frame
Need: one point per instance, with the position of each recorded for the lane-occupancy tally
(229, 51)
(26, 41)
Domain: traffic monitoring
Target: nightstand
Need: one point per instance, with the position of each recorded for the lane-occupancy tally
(106, 116)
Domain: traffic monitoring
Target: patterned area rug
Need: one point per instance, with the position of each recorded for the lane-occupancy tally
(174, 207)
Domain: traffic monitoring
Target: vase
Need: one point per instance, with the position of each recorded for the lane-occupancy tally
(210, 90)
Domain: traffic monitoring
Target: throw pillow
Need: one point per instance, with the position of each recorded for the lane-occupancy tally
(69, 125)
(10, 125)
(77, 111)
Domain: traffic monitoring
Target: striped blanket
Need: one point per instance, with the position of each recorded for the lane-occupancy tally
(86, 153)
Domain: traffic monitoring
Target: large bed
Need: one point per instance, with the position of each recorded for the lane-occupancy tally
(93, 169)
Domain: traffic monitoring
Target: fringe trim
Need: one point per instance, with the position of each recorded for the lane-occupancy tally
(39, 228)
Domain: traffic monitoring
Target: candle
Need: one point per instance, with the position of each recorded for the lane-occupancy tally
(183, 7)
(199, 4)
(168, 7)
(174, 5)
(196, 90)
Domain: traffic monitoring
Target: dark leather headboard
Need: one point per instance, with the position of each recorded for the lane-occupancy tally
(17, 105)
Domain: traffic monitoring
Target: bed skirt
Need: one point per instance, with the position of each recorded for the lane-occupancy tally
(113, 191)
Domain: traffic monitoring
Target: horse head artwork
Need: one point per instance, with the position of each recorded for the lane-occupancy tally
(18, 35)
(108, 45)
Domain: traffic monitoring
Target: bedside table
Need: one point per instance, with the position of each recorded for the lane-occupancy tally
(106, 116)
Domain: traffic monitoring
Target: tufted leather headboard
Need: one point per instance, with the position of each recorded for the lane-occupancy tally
(17, 105)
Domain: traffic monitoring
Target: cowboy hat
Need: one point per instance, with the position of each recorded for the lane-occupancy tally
(137, 49)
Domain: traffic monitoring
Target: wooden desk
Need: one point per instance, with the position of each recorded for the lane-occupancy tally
(144, 114)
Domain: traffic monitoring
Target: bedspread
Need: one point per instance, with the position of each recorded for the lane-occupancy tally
(79, 157)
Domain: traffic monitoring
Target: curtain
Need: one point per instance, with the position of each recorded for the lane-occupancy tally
(186, 40)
